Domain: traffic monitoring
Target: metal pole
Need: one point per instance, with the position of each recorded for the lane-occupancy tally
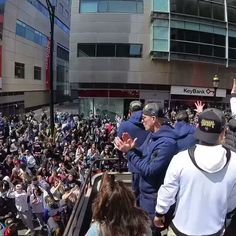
(215, 97)
(51, 10)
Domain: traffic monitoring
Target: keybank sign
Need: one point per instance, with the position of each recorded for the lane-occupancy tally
(195, 91)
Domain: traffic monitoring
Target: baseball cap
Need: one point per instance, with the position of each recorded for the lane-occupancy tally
(211, 123)
(153, 109)
(135, 106)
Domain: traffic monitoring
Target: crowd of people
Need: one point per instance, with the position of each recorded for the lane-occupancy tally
(41, 174)
(184, 175)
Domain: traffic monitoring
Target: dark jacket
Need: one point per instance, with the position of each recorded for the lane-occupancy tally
(152, 160)
(185, 134)
(135, 128)
(230, 135)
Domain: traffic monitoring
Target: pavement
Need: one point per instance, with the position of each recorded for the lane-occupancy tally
(38, 231)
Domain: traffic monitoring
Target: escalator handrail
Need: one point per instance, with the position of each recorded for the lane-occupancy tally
(87, 182)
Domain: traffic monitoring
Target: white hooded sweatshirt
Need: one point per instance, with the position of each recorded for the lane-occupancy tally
(203, 197)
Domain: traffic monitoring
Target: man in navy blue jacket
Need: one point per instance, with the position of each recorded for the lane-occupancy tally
(153, 157)
(185, 131)
(135, 128)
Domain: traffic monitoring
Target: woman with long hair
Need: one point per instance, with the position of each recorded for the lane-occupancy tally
(115, 212)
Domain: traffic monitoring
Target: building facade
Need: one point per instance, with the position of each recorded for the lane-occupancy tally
(25, 33)
(166, 51)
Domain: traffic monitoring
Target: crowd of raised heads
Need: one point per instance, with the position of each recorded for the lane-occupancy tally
(45, 173)
(49, 170)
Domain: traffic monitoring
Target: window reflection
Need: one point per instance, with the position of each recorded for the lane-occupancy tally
(202, 8)
(122, 6)
(109, 50)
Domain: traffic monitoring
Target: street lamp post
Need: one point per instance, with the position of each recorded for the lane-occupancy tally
(215, 82)
(51, 9)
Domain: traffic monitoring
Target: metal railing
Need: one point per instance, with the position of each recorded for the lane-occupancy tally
(73, 220)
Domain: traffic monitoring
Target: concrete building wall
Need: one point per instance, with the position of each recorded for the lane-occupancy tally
(19, 49)
(131, 28)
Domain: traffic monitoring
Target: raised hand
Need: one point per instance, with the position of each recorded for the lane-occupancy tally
(234, 86)
(199, 106)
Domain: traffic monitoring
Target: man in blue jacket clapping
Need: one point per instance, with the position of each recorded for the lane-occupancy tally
(153, 157)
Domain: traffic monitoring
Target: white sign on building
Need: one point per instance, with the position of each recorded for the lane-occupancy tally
(197, 91)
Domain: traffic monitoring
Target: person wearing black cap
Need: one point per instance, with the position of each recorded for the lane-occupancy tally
(201, 181)
(153, 157)
(135, 128)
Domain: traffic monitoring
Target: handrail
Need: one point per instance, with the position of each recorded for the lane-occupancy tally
(87, 182)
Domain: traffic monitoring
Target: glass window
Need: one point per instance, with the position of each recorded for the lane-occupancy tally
(60, 73)
(232, 53)
(20, 29)
(160, 33)
(44, 41)
(191, 48)
(37, 38)
(191, 35)
(121, 6)
(163, 23)
(29, 33)
(2, 6)
(190, 7)
(178, 34)
(232, 42)
(206, 28)
(86, 50)
(231, 3)
(205, 9)
(62, 53)
(219, 52)
(88, 6)
(103, 6)
(176, 6)
(140, 7)
(206, 37)
(37, 73)
(135, 50)
(105, 50)
(231, 14)
(161, 5)
(160, 45)
(177, 24)
(191, 26)
(218, 12)
(219, 40)
(177, 46)
(122, 50)
(221, 31)
(19, 70)
(206, 50)
(232, 33)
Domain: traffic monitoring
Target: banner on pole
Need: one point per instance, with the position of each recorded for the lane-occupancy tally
(48, 65)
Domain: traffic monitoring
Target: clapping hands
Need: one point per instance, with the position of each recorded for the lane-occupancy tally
(126, 143)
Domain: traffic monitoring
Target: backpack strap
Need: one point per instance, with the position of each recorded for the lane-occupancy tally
(191, 155)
